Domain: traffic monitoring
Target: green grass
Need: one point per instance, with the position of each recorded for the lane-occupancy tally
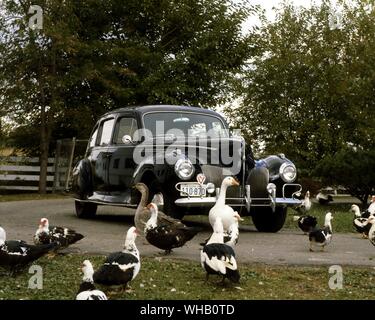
(167, 279)
(30, 196)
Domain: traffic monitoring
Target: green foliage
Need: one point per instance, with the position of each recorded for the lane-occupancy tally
(309, 87)
(96, 55)
(353, 169)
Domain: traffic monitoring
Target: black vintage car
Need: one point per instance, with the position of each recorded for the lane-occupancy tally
(182, 154)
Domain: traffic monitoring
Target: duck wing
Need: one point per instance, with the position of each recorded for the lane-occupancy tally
(320, 235)
(169, 236)
(220, 258)
(17, 253)
(118, 269)
(164, 219)
(64, 236)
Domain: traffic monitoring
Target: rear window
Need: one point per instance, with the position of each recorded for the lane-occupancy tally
(106, 132)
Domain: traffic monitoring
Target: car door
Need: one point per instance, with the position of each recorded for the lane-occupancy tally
(99, 157)
(121, 164)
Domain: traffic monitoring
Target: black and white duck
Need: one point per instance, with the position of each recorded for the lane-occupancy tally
(306, 222)
(222, 210)
(322, 237)
(48, 234)
(167, 236)
(305, 205)
(143, 214)
(218, 257)
(324, 199)
(120, 267)
(360, 221)
(17, 254)
(87, 289)
(358, 213)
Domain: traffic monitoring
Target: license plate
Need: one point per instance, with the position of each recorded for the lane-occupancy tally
(192, 190)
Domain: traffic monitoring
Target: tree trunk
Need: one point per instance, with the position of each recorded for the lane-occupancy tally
(44, 150)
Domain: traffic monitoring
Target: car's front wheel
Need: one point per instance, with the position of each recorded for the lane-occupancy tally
(265, 220)
(85, 210)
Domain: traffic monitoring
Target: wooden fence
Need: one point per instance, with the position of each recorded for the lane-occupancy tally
(22, 173)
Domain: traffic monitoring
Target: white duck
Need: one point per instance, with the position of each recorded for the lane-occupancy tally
(220, 209)
(371, 233)
(371, 208)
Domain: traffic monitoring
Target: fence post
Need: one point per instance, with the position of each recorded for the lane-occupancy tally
(56, 179)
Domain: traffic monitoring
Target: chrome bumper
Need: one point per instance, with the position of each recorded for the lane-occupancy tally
(248, 202)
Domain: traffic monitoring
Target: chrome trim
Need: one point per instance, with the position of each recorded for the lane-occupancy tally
(246, 201)
(281, 171)
(177, 171)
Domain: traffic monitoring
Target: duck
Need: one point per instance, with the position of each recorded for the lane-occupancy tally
(46, 234)
(87, 289)
(305, 204)
(121, 267)
(231, 236)
(17, 254)
(220, 209)
(324, 199)
(362, 226)
(355, 209)
(167, 236)
(371, 233)
(143, 214)
(231, 239)
(360, 221)
(306, 222)
(322, 237)
(218, 257)
(371, 207)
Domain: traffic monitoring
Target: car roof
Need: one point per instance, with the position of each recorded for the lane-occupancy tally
(163, 107)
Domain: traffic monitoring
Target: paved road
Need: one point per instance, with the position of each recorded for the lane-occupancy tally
(106, 234)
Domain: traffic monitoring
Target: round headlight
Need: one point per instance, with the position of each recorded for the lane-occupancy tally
(184, 169)
(288, 172)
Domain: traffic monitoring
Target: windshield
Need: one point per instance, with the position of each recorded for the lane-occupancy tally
(185, 123)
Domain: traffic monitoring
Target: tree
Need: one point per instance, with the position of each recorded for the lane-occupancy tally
(352, 169)
(308, 88)
(96, 55)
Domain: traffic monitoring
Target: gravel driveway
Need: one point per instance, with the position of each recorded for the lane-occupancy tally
(106, 234)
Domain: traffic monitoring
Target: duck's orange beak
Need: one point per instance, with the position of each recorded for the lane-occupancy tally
(235, 183)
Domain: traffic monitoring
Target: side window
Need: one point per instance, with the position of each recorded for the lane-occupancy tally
(93, 138)
(106, 133)
(125, 126)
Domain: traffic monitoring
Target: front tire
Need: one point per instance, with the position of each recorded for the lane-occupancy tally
(265, 220)
(85, 210)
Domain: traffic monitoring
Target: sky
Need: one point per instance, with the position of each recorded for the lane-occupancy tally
(269, 4)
